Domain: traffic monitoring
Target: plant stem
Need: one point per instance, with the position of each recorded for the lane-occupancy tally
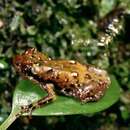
(11, 118)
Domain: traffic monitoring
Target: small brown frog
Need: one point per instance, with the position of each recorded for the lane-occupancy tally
(84, 82)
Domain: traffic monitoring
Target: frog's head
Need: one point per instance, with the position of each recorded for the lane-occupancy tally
(24, 62)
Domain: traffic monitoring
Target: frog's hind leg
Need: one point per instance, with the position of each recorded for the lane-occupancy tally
(51, 96)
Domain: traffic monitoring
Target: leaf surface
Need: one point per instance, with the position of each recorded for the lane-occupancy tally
(27, 92)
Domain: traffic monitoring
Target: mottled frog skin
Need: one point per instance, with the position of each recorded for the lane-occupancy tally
(84, 82)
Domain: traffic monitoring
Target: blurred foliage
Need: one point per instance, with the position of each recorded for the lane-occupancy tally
(64, 29)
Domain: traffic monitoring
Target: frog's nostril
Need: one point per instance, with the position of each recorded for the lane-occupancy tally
(17, 60)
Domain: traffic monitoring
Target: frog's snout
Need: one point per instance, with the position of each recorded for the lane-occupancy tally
(17, 60)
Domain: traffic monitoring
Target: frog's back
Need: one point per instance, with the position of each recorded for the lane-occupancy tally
(62, 72)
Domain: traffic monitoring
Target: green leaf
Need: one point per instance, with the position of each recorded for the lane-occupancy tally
(106, 6)
(3, 64)
(15, 22)
(26, 92)
(11, 118)
(32, 30)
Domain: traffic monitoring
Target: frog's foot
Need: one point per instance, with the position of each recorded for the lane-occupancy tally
(27, 108)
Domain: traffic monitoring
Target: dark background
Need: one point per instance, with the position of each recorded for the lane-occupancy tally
(67, 30)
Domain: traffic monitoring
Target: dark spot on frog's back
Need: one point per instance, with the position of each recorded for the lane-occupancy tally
(58, 76)
(88, 76)
(72, 85)
(66, 79)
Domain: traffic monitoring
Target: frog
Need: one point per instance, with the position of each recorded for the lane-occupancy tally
(84, 82)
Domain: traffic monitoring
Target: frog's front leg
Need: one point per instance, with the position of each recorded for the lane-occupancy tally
(51, 96)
